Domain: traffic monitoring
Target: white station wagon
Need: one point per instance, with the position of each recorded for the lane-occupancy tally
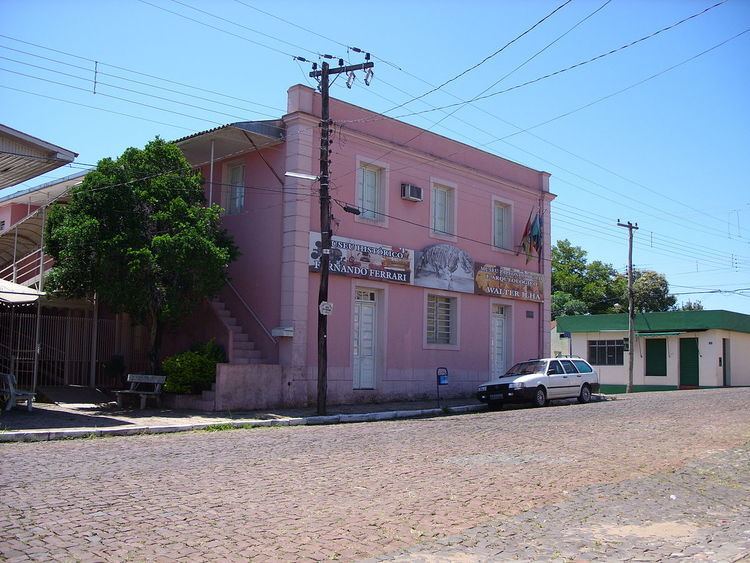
(540, 381)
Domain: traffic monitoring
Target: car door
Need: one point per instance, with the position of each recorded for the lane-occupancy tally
(573, 380)
(555, 379)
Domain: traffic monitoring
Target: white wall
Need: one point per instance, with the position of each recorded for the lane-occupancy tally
(709, 350)
(740, 359)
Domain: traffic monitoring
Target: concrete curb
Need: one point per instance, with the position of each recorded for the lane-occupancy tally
(68, 434)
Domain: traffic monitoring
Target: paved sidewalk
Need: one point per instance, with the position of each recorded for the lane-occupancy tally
(61, 421)
(50, 421)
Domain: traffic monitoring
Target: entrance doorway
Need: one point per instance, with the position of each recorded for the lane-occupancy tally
(688, 362)
(497, 341)
(727, 367)
(364, 339)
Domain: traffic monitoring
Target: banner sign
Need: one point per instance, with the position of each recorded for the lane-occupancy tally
(439, 266)
(360, 259)
(499, 281)
(444, 266)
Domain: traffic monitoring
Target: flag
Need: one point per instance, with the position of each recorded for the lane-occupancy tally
(536, 234)
(526, 242)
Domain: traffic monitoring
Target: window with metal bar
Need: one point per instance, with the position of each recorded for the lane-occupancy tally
(441, 319)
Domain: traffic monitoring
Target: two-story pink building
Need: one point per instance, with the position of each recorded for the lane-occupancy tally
(430, 273)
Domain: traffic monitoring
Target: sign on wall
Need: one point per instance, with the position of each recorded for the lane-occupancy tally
(444, 266)
(500, 281)
(439, 266)
(360, 259)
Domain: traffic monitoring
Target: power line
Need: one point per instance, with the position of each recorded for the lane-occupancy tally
(179, 15)
(140, 82)
(581, 63)
(480, 63)
(126, 69)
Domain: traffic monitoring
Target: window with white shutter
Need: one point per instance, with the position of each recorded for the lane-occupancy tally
(443, 210)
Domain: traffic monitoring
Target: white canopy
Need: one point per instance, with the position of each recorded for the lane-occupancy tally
(16, 294)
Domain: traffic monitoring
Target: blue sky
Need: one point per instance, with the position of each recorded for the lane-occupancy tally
(668, 152)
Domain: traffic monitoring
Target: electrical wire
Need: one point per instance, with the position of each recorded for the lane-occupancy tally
(480, 63)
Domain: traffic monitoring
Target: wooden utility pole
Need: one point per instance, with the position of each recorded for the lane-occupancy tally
(325, 221)
(631, 306)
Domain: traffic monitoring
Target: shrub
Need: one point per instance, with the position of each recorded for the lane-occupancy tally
(192, 371)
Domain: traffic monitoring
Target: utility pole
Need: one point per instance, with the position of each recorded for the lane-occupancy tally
(325, 216)
(631, 306)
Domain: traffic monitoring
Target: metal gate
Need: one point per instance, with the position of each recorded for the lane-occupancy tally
(66, 346)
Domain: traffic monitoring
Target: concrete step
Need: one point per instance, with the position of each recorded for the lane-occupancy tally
(243, 345)
(247, 354)
(246, 361)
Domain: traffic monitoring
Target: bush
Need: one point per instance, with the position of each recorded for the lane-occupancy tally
(193, 371)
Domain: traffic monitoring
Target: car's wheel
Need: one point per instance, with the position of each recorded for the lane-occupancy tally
(540, 397)
(495, 405)
(585, 395)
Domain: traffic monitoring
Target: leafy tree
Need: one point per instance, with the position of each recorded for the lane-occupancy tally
(651, 292)
(691, 305)
(580, 287)
(565, 304)
(137, 234)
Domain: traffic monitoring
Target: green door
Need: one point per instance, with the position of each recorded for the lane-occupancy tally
(689, 362)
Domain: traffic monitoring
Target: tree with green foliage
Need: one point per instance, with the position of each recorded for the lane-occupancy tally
(651, 292)
(691, 305)
(581, 287)
(137, 234)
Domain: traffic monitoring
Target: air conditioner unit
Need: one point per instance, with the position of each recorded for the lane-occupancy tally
(411, 192)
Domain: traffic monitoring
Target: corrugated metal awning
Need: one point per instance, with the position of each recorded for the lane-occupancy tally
(14, 294)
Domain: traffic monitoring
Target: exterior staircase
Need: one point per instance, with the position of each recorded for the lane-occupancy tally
(241, 350)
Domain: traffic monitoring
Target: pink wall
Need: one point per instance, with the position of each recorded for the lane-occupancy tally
(14, 212)
(477, 178)
(272, 233)
(255, 274)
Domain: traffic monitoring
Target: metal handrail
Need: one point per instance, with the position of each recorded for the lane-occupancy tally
(252, 313)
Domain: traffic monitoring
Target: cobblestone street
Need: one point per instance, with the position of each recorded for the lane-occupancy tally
(645, 477)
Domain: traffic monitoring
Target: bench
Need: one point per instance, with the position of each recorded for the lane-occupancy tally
(11, 393)
(145, 386)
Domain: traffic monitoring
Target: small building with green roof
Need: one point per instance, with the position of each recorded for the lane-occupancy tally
(671, 350)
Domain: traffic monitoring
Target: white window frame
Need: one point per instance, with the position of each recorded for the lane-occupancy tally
(455, 328)
(451, 228)
(380, 216)
(233, 195)
(507, 235)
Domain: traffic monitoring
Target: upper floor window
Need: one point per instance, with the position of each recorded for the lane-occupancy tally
(233, 190)
(443, 210)
(501, 234)
(371, 193)
(2, 226)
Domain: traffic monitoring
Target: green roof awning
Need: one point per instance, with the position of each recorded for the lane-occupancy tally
(669, 321)
(658, 333)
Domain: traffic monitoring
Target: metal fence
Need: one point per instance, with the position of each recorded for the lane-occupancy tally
(66, 343)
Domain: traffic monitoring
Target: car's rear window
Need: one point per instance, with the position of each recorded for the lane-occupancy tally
(582, 366)
(568, 366)
(526, 368)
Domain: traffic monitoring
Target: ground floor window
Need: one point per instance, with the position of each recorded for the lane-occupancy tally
(606, 352)
(442, 321)
(656, 357)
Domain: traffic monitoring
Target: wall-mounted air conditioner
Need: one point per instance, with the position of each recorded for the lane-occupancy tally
(411, 192)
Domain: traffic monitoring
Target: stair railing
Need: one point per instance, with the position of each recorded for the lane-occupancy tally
(255, 316)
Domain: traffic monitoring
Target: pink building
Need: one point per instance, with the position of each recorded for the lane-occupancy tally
(430, 274)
